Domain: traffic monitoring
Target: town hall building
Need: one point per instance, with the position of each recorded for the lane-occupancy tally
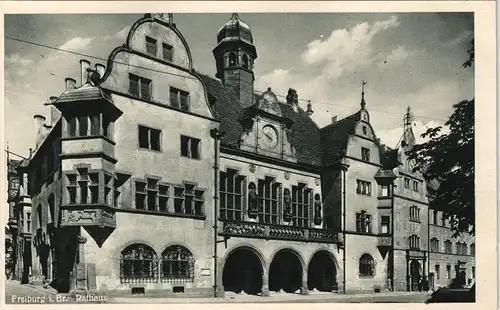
(151, 177)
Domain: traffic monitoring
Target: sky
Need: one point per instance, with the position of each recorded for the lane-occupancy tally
(410, 59)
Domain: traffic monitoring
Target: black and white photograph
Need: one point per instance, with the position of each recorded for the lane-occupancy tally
(240, 156)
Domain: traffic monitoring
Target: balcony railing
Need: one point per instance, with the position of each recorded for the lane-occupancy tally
(384, 240)
(279, 232)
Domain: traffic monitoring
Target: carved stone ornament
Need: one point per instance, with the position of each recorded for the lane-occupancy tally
(77, 216)
(253, 201)
(287, 205)
(252, 168)
(316, 181)
(287, 175)
(318, 219)
(82, 240)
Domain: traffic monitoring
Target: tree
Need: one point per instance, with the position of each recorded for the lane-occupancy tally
(449, 159)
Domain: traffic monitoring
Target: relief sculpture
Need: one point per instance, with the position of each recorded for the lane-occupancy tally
(287, 205)
(317, 210)
(77, 216)
(253, 201)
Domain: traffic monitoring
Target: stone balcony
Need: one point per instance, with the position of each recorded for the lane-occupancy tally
(278, 232)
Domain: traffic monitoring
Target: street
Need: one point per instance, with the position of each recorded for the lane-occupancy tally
(24, 294)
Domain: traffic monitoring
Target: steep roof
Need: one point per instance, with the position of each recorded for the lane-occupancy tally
(304, 132)
(334, 138)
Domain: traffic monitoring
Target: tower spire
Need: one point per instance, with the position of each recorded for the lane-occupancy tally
(363, 103)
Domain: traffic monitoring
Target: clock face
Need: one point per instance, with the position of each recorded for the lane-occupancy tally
(270, 138)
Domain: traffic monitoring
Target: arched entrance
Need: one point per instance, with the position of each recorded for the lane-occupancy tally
(415, 275)
(321, 274)
(242, 272)
(285, 272)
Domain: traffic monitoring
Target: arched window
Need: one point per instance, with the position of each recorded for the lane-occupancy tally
(366, 265)
(245, 61)
(472, 249)
(39, 214)
(52, 218)
(232, 59)
(177, 264)
(138, 264)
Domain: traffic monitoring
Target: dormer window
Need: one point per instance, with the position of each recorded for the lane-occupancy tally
(151, 46)
(365, 130)
(232, 59)
(245, 61)
(365, 154)
(167, 52)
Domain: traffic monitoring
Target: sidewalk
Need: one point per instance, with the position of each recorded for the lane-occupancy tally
(275, 297)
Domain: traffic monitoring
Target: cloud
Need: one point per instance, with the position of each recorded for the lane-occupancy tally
(76, 44)
(16, 60)
(464, 36)
(400, 53)
(326, 60)
(120, 35)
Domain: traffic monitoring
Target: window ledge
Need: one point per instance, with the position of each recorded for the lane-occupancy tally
(167, 214)
(363, 276)
(150, 150)
(88, 138)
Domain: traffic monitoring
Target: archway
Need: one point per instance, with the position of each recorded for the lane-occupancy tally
(322, 272)
(242, 272)
(285, 272)
(415, 275)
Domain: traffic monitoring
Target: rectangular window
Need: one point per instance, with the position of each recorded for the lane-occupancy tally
(94, 187)
(435, 217)
(140, 195)
(268, 198)
(301, 204)
(473, 249)
(407, 183)
(447, 247)
(414, 214)
(163, 197)
(448, 272)
(363, 188)
(152, 194)
(385, 223)
(83, 126)
(95, 125)
(189, 200)
(140, 87)
(149, 138)
(416, 186)
(179, 99)
(414, 242)
(385, 191)
(434, 245)
(167, 52)
(473, 272)
(438, 271)
(231, 195)
(365, 154)
(28, 221)
(151, 46)
(72, 126)
(365, 130)
(363, 222)
(71, 188)
(190, 147)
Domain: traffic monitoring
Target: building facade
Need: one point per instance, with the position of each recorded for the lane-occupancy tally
(152, 177)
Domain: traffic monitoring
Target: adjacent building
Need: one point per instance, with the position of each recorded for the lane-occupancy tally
(152, 177)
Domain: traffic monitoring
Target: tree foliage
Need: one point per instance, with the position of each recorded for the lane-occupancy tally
(449, 160)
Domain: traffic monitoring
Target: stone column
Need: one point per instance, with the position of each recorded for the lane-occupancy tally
(265, 284)
(303, 289)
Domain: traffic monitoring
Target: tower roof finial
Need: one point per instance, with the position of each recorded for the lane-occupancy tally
(235, 16)
(363, 103)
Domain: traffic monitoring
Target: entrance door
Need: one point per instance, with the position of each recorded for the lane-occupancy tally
(431, 281)
(415, 275)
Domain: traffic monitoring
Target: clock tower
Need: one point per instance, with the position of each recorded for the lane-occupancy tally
(266, 130)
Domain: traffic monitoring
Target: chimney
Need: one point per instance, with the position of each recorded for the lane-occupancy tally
(39, 128)
(70, 83)
(334, 119)
(84, 65)
(100, 69)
